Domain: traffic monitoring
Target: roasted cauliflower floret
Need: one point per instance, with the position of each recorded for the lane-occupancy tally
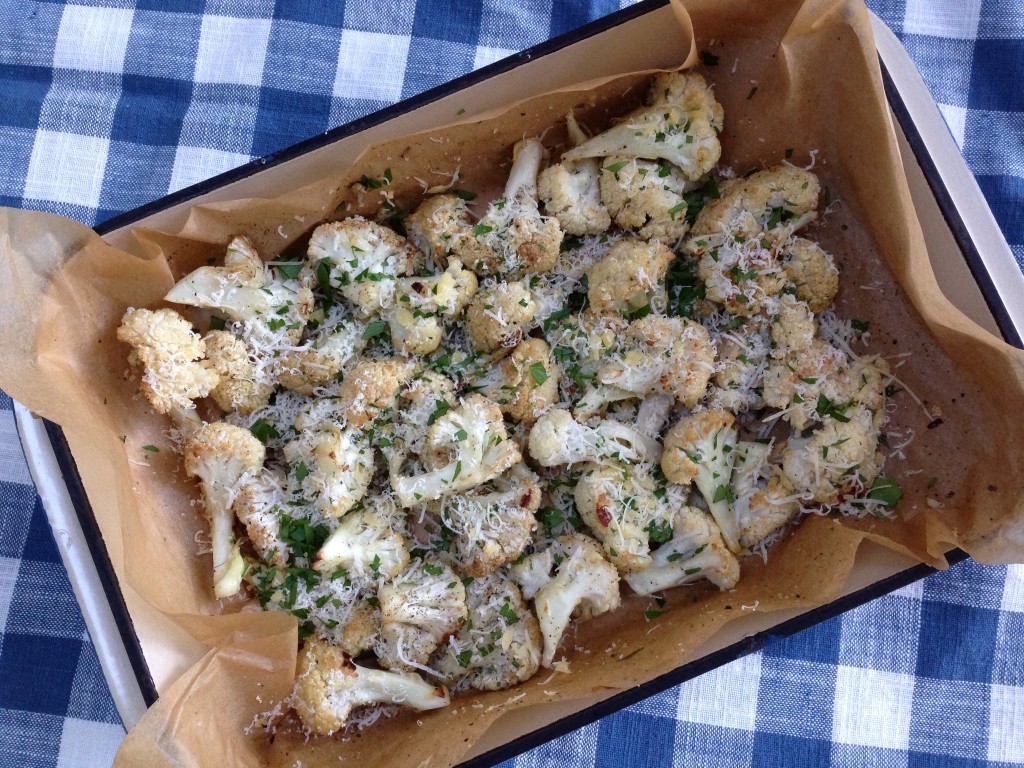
(240, 388)
(328, 687)
(258, 504)
(631, 275)
(372, 388)
(317, 363)
(332, 466)
(742, 275)
(557, 438)
(421, 303)
(223, 457)
(512, 237)
(364, 543)
(621, 505)
(571, 193)
(700, 449)
(499, 646)
(696, 551)
(419, 609)
(764, 499)
(492, 527)
(524, 383)
(570, 579)
(839, 460)
(365, 261)
(663, 354)
(820, 380)
(174, 372)
(440, 227)
(743, 355)
(812, 273)
(777, 201)
(681, 126)
(499, 315)
(269, 312)
(690, 91)
(647, 197)
(465, 447)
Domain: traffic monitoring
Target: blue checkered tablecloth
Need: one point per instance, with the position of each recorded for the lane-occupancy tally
(105, 106)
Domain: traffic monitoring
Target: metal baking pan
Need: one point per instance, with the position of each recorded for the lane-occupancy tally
(973, 264)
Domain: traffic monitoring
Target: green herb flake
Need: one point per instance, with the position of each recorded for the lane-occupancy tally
(290, 270)
(151, 448)
(263, 430)
(440, 410)
(649, 615)
(616, 167)
(753, 90)
(539, 373)
(659, 531)
(723, 493)
(506, 612)
(217, 323)
(885, 490)
(376, 328)
(301, 471)
(708, 59)
(465, 194)
(481, 229)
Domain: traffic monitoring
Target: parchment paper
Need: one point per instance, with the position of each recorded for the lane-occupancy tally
(818, 92)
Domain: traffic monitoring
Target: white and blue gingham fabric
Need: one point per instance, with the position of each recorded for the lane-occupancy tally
(105, 106)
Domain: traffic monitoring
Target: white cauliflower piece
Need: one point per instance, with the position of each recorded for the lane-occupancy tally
(524, 383)
(419, 609)
(332, 466)
(367, 542)
(328, 687)
(371, 388)
(571, 193)
(365, 259)
(240, 387)
(647, 197)
(631, 275)
(421, 302)
(512, 237)
(583, 585)
(812, 273)
(465, 447)
(556, 438)
(258, 506)
(621, 506)
(681, 127)
(777, 201)
(223, 457)
(499, 646)
(696, 551)
(700, 449)
(493, 528)
(317, 363)
(174, 372)
(500, 315)
(838, 460)
(271, 312)
(818, 381)
(673, 355)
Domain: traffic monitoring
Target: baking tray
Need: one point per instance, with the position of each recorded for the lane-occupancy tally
(141, 652)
